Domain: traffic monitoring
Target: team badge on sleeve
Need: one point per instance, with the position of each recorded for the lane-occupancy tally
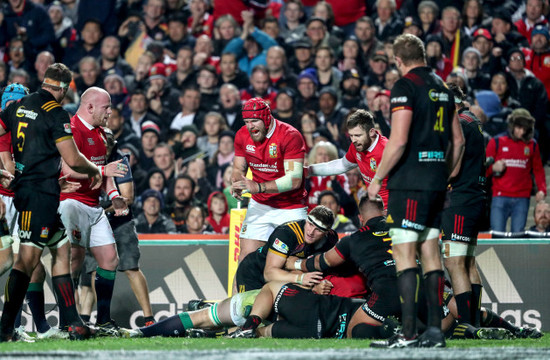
(280, 246)
(67, 128)
(273, 151)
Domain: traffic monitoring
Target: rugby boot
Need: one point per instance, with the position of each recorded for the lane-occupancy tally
(243, 334)
(110, 328)
(80, 332)
(130, 333)
(395, 342)
(52, 333)
(528, 332)
(197, 304)
(493, 334)
(22, 335)
(432, 337)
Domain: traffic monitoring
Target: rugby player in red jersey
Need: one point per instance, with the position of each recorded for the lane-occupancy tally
(274, 151)
(365, 152)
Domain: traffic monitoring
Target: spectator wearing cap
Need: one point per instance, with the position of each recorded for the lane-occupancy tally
(230, 72)
(365, 33)
(307, 98)
(90, 74)
(87, 45)
(185, 74)
(163, 100)
(454, 40)
(387, 23)
(139, 113)
(116, 87)
(331, 114)
(492, 107)
(381, 110)
(279, 72)
(352, 82)
(539, 57)
(471, 61)
(63, 28)
(303, 56)
(207, 80)
(150, 137)
(528, 90)
(230, 100)
(411, 25)
(483, 42)
(504, 32)
(251, 47)
(223, 157)
(378, 65)
(534, 14)
(435, 58)
(110, 59)
(260, 87)
(327, 74)
(152, 221)
(318, 34)
(190, 100)
(285, 109)
(30, 22)
(153, 17)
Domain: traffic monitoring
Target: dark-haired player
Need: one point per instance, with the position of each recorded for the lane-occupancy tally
(424, 130)
(41, 135)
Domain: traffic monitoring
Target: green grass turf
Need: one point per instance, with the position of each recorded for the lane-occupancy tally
(224, 344)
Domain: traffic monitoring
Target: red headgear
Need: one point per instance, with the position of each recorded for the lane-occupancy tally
(257, 108)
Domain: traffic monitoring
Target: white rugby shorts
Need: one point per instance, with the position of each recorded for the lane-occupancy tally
(91, 222)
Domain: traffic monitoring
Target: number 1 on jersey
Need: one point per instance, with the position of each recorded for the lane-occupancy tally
(439, 121)
(21, 134)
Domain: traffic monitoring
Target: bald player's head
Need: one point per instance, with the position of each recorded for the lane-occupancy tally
(92, 94)
(95, 106)
(370, 208)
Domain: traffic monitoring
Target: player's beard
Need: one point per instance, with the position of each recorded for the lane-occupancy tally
(259, 136)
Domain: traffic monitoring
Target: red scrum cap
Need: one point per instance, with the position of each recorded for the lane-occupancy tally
(257, 108)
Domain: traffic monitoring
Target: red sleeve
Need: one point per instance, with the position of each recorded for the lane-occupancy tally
(295, 147)
(3, 125)
(350, 155)
(490, 152)
(5, 142)
(238, 144)
(538, 170)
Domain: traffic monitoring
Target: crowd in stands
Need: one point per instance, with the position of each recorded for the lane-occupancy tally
(178, 71)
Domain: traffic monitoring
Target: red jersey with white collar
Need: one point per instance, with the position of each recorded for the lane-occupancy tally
(368, 162)
(5, 145)
(91, 142)
(266, 160)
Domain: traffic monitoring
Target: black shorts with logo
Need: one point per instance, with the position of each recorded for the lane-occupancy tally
(38, 218)
(250, 273)
(415, 209)
(383, 300)
(462, 223)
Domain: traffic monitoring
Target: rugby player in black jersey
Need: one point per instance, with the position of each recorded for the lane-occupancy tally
(425, 145)
(41, 136)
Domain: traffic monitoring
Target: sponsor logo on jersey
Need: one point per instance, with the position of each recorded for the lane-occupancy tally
(380, 233)
(389, 219)
(91, 141)
(409, 224)
(67, 128)
(399, 99)
(431, 156)
(438, 96)
(460, 237)
(273, 151)
(22, 112)
(25, 234)
(526, 151)
(373, 166)
(505, 148)
(250, 148)
(280, 246)
(44, 233)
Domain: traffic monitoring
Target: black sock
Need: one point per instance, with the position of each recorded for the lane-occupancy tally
(252, 322)
(494, 320)
(434, 281)
(408, 282)
(462, 331)
(463, 307)
(64, 293)
(104, 284)
(475, 305)
(85, 318)
(35, 299)
(172, 326)
(15, 290)
(17, 322)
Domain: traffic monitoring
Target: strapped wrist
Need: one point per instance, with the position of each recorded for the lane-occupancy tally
(113, 194)
(102, 170)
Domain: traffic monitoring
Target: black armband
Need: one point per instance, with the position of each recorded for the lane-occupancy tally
(310, 264)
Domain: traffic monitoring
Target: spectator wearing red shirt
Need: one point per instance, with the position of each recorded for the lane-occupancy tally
(533, 16)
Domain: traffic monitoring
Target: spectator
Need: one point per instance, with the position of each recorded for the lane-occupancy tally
(19, 76)
(342, 224)
(472, 16)
(499, 85)
(90, 74)
(231, 201)
(285, 110)
(390, 78)
(303, 56)
(309, 124)
(540, 56)
(292, 27)
(435, 57)
(182, 192)
(378, 64)
(87, 46)
(184, 76)
(387, 21)
(277, 67)
(351, 84)
(200, 22)
(141, 71)
(190, 100)
(214, 124)
(153, 12)
(365, 33)
(222, 158)
(428, 12)
(251, 47)
(542, 218)
(122, 134)
(163, 100)
(225, 29)
(139, 175)
(18, 55)
(411, 25)
(230, 72)
(307, 98)
(357, 187)
(207, 81)
(177, 36)
(496, 114)
(150, 137)
(331, 113)
(504, 33)
(195, 221)
(186, 149)
(260, 87)
(512, 170)
(116, 87)
(164, 159)
(204, 53)
(138, 106)
(43, 60)
(152, 221)
(318, 34)
(218, 215)
(533, 16)
(110, 58)
(327, 74)
(381, 111)
(450, 26)
(230, 100)
(351, 55)
(196, 169)
(270, 26)
(483, 42)
(477, 80)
